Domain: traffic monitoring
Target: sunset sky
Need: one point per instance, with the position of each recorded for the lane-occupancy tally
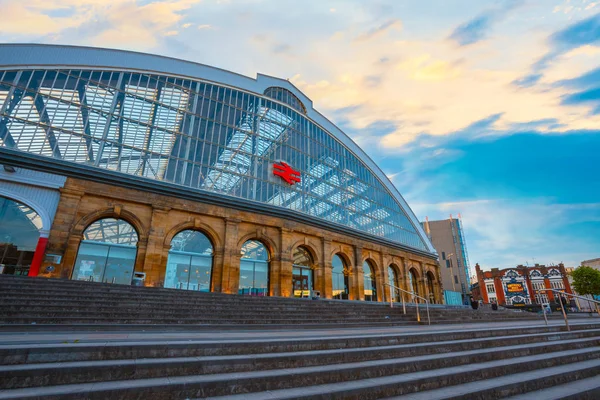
(486, 108)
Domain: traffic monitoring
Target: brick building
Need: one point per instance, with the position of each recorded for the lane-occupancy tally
(518, 286)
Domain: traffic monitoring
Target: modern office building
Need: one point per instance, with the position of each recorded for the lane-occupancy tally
(448, 239)
(116, 162)
(522, 285)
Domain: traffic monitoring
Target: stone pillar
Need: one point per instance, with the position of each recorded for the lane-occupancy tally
(405, 281)
(383, 291)
(217, 269)
(231, 257)
(153, 254)
(358, 281)
(326, 268)
(285, 267)
(61, 240)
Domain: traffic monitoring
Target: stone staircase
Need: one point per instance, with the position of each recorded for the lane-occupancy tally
(51, 302)
(485, 363)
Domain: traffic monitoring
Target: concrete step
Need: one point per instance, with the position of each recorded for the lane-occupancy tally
(52, 350)
(580, 389)
(365, 380)
(548, 384)
(445, 353)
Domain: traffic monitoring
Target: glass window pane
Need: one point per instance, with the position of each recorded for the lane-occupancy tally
(120, 265)
(90, 262)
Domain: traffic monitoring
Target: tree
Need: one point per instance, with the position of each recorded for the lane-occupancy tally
(586, 280)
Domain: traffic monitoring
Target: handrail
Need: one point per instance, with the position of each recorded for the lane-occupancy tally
(562, 306)
(413, 294)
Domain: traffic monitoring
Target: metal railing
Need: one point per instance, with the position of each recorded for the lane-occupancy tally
(562, 305)
(413, 295)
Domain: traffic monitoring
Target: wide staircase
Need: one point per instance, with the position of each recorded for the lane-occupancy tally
(38, 301)
(83, 340)
(535, 362)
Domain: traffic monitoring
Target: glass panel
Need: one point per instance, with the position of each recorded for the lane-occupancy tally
(200, 273)
(339, 282)
(19, 235)
(302, 257)
(393, 278)
(369, 282)
(254, 250)
(177, 273)
(261, 279)
(302, 281)
(90, 263)
(189, 266)
(110, 230)
(191, 242)
(246, 277)
(120, 265)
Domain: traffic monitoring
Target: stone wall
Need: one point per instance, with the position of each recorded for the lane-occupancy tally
(158, 218)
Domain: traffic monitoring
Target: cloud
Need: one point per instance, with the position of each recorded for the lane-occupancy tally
(379, 30)
(579, 34)
(587, 97)
(502, 233)
(478, 28)
(95, 22)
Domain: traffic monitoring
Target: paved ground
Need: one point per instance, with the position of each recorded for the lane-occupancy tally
(259, 335)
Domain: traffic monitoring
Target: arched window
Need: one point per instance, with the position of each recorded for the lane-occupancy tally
(339, 280)
(107, 252)
(20, 229)
(302, 273)
(430, 287)
(412, 277)
(370, 283)
(393, 278)
(189, 266)
(254, 269)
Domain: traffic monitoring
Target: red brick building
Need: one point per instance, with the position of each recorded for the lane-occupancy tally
(519, 285)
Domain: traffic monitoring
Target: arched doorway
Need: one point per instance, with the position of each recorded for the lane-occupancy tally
(254, 269)
(20, 227)
(370, 288)
(339, 278)
(413, 281)
(393, 278)
(107, 252)
(430, 286)
(302, 273)
(189, 266)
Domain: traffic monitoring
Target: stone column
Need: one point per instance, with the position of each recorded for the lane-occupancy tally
(285, 267)
(405, 280)
(217, 269)
(382, 278)
(231, 257)
(358, 281)
(326, 287)
(62, 240)
(153, 254)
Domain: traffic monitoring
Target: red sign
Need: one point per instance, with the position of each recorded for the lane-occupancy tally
(287, 173)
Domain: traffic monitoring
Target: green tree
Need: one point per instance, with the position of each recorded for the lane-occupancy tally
(586, 280)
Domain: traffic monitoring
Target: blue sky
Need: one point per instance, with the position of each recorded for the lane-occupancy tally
(486, 108)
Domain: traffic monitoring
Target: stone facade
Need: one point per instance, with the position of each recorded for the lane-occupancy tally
(158, 218)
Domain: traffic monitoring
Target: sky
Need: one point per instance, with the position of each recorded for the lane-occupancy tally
(490, 109)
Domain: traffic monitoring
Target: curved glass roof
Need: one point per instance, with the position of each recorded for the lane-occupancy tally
(204, 136)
